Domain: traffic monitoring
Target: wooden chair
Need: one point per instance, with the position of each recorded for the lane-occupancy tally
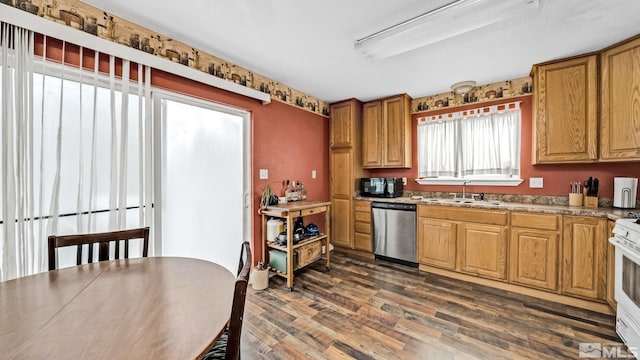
(103, 239)
(228, 345)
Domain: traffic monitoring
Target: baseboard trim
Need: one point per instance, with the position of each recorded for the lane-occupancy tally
(359, 253)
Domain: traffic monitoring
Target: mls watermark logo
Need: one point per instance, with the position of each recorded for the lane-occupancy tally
(606, 350)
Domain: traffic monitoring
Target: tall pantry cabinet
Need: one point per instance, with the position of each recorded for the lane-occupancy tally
(345, 168)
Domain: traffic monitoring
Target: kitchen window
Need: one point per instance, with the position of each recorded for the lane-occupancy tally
(478, 145)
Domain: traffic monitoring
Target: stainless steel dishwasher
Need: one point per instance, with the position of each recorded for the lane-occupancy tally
(394, 232)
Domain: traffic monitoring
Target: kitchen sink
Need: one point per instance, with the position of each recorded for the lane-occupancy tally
(463, 201)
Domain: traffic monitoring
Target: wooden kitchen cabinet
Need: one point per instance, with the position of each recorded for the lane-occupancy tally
(620, 102)
(343, 115)
(565, 102)
(533, 250)
(611, 267)
(483, 250)
(387, 133)
(372, 134)
(583, 257)
(344, 168)
(437, 243)
(362, 233)
(471, 241)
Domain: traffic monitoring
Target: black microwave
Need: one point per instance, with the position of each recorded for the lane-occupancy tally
(381, 187)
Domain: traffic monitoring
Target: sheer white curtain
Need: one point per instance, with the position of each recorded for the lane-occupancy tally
(21, 253)
(477, 142)
(76, 151)
(489, 143)
(438, 142)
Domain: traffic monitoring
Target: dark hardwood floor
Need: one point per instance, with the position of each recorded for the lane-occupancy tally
(365, 309)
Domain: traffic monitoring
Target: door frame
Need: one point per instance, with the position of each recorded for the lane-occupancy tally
(157, 96)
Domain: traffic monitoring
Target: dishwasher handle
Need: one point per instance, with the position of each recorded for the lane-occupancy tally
(393, 206)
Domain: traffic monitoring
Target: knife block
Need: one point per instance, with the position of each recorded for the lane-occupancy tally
(575, 199)
(591, 201)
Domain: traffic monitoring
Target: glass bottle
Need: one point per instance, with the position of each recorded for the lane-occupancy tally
(303, 192)
(289, 191)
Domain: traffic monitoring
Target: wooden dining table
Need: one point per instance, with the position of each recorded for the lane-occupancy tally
(145, 308)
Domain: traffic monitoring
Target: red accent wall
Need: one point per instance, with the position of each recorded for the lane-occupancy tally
(556, 177)
(288, 141)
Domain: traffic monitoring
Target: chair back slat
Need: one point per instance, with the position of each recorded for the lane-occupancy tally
(102, 239)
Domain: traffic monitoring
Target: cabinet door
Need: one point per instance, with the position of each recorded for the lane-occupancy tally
(371, 135)
(341, 234)
(483, 250)
(566, 118)
(341, 124)
(341, 188)
(437, 243)
(583, 257)
(611, 268)
(533, 258)
(620, 102)
(396, 130)
(342, 183)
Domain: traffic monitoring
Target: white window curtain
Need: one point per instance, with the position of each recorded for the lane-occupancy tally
(438, 142)
(76, 151)
(480, 142)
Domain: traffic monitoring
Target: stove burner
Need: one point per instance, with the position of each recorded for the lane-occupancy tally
(635, 215)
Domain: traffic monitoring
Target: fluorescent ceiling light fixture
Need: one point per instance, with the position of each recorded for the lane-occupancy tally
(445, 22)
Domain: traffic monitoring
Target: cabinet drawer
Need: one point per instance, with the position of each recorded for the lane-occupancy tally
(317, 210)
(364, 228)
(309, 253)
(363, 242)
(535, 221)
(360, 205)
(363, 217)
(478, 216)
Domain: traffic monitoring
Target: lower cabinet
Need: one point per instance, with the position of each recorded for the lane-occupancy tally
(437, 243)
(341, 223)
(362, 218)
(584, 256)
(470, 241)
(534, 250)
(483, 250)
(566, 255)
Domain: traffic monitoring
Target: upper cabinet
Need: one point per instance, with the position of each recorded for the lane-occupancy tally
(343, 124)
(620, 102)
(573, 113)
(565, 111)
(386, 133)
(372, 134)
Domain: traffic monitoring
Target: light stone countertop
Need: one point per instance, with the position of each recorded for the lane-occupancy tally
(609, 213)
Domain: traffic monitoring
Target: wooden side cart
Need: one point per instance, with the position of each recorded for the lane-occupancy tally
(308, 250)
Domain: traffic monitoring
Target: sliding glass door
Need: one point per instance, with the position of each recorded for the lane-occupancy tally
(202, 179)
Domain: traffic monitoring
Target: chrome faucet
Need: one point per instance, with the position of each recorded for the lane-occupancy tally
(464, 189)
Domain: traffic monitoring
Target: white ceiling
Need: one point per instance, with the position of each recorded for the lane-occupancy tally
(308, 45)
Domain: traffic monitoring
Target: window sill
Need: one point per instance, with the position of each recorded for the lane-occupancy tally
(481, 182)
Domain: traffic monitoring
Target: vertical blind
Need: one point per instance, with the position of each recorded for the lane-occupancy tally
(75, 147)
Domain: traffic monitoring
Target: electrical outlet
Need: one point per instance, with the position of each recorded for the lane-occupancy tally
(535, 183)
(404, 181)
(264, 174)
(313, 174)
